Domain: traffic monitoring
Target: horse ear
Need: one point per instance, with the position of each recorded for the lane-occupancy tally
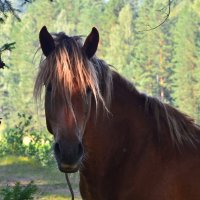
(91, 43)
(46, 41)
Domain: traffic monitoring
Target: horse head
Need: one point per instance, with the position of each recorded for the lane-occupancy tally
(69, 88)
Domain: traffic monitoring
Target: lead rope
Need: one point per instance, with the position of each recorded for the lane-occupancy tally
(69, 185)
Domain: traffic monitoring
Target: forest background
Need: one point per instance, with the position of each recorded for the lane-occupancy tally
(164, 62)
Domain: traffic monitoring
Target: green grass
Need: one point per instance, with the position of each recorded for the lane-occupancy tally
(50, 182)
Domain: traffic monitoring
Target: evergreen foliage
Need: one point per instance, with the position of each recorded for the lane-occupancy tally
(5, 8)
(185, 62)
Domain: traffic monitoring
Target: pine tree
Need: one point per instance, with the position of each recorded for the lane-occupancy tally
(185, 66)
(6, 9)
(19, 79)
(151, 58)
(120, 50)
(4, 80)
(196, 7)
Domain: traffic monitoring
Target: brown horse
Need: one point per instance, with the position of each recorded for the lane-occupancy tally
(126, 145)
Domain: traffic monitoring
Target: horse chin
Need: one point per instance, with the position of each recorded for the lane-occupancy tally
(65, 168)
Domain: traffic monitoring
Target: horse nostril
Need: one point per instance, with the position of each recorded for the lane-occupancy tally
(57, 148)
(80, 149)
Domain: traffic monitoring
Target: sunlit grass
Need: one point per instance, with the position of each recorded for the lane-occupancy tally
(50, 182)
(1, 133)
(52, 197)
(2, 128)
(11, 160)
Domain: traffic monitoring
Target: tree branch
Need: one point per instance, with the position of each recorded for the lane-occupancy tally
(5, 47)
(165, 19)
(6, 7)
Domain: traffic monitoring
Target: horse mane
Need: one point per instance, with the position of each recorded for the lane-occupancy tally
(182, 128)
(67, 67)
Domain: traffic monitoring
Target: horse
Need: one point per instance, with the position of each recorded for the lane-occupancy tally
(125, 144)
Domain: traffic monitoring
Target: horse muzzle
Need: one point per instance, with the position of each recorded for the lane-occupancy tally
(68, 157)
(68, 168)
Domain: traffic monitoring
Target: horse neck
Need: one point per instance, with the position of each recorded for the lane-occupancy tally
(128, 109)
(125, 122)
(149, 125)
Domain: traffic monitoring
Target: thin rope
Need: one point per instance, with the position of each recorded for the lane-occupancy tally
(69, 185)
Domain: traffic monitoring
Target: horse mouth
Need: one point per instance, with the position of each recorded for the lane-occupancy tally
(68, 168)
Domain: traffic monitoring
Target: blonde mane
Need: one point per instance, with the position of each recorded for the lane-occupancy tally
(67, 67)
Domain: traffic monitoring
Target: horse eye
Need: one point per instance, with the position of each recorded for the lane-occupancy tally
(48, 88)
(88, 90)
